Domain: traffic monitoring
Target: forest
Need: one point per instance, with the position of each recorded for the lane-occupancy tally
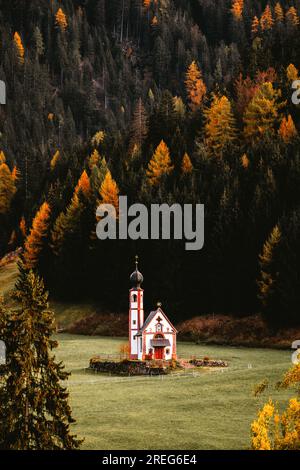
(164, 101)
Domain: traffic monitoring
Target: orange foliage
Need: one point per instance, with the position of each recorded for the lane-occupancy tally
(237, 9)
(196, 88)
(19, 47)
(187, 166)
(255, 26)
(61, 20)
(279, 15)
(266, 21)
(287, 129)
(35, 240)
(160, 164)
(83, 185)
(22, 226)
(292, 16)
(109, 192)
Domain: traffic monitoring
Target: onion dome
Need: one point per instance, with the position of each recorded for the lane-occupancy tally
(136, 277)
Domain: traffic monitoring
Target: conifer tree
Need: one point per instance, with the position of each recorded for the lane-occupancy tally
(19, 47)
(22, 227)
(36, 239)
(220, 126)
(255, 26)
(159, 165)
(195, 86)
(7, 188)
(34, 408)
(109, 192)
(292, 16)
(61, 20)
(279, 14)
(66, 224)
(186, 166)
(139, 127)
(245, 161)
(287, 129)
(55, 159)
(266, 20)
(269, 271)
(262, 112)
(83, 185)
(237, 9)
(292, 73)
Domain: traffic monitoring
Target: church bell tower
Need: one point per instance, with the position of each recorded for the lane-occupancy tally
(136, 311)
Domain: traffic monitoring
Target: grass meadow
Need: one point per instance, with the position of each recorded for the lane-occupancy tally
(206, 409)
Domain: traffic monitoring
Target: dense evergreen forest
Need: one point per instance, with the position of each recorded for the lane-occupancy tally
(185, 101)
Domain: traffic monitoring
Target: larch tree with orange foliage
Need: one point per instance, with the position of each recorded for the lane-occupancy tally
(292, 17)
(19, 47)
(54, 160)
(287, 129)
(83, 186)
(279, 14)
(237, 9)
(255, 26)
(186, 166)
(34, 243)
(61, 20)
(195, 86)
(220, 125)
(266, 20)
(109, 192)
(7, 186)
(292, 73)
(160, 164)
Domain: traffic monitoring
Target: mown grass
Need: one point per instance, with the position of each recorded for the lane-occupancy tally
(204, 410)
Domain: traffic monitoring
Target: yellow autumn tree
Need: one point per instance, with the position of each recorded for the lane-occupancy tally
(160, 164)
(255, 26)
(245, 161)
(147, 4)
(35, 241)
(7, 187)
(292, 73)
(220, 125)
(292, 16)
(54, 160)
(61, 20)
(2, 157)
(195, 86)
(109, 192)
(98, 138)
(186, 166)
(261, 114)
(237, 9)
(279, 14)
(94, 159)
(19, 47)
(266, 20)
(287, 129)
(274, 431)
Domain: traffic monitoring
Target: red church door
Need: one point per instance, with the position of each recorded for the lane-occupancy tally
(159, 353)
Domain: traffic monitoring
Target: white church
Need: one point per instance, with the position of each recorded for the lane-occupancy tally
(154, 338)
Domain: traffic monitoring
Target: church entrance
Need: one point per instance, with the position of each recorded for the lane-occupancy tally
(159, 352)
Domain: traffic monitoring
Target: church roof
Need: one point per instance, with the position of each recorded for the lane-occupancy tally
(150, 318)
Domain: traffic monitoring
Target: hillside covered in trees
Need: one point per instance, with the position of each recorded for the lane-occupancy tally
(185, 101)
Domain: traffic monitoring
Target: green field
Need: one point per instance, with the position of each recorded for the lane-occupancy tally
(202, 410)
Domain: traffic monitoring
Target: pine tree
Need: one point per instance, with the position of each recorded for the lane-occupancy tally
(287, 129)
(186, 166)
(269, 271)
(195, 86)
(279, 14)
(220, 126)
(19, 47)
(262, 112)
(61, 20)
(66, 224)
(266, 20)
(159, 165)
(36, 239)
(109, 192)
(292, 16)
(7, 188)
(34, 408)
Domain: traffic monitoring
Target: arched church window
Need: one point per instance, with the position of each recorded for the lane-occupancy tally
(159, 327)
(134, 297)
